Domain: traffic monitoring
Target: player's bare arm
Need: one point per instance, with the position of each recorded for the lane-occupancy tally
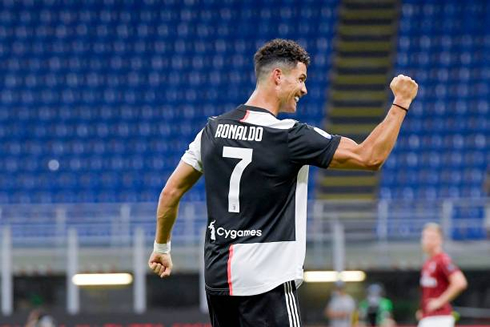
(181, 180)
(457, 284)
(373, 152)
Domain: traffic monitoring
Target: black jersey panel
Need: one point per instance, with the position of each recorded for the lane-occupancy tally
(266, 186)
(311, 146)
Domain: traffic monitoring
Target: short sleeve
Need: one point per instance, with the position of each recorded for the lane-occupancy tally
(447, 266)
(310, 145)
(192, 156)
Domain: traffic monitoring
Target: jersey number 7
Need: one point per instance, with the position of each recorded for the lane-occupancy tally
(234, 192)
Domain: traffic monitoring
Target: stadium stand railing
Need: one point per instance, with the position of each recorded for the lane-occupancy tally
(388, 227)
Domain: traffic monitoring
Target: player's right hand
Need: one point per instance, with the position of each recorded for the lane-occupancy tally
(161, 264)
(404, 89)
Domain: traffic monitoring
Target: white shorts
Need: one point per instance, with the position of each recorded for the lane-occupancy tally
(437, 321)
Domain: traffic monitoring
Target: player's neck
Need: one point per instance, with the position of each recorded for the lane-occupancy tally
(435, 251)
(264, 99)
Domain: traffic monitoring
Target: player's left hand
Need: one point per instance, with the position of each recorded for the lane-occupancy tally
(161, 264)
(434, 304)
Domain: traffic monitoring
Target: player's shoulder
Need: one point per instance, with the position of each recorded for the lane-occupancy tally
(305, 128)
(350, 299)
(443, 259)
(287, 123)
(268, 120)
(447, 264)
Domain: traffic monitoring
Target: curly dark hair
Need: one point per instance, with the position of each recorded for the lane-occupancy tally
(283, 51)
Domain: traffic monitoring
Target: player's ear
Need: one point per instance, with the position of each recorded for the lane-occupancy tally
(277, 76)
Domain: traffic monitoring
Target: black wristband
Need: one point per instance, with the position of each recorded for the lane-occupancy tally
(397, 105)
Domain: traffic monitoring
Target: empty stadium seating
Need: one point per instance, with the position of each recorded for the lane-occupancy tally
(100, 98)
(444, 145)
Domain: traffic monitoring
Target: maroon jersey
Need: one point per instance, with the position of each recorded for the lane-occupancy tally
(434, 281)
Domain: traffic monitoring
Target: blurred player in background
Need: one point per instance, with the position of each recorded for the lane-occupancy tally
(340, 308)
(39, 318)
(256, 172)
(441, 281)
(375, 309)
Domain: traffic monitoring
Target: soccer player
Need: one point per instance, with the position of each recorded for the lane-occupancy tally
(441, 281)
(375, 309)
(340, 308)
(256, 172)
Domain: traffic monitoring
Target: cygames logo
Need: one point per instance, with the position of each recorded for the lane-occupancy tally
(231, 233)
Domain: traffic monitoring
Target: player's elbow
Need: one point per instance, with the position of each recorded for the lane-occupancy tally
(374, 165)
(460, 282)
(170, 193)
(463, 284)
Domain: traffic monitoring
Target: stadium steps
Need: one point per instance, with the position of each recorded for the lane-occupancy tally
(365, 44)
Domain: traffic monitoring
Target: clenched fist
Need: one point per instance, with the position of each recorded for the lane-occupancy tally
(404, 89)
(161, 264)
